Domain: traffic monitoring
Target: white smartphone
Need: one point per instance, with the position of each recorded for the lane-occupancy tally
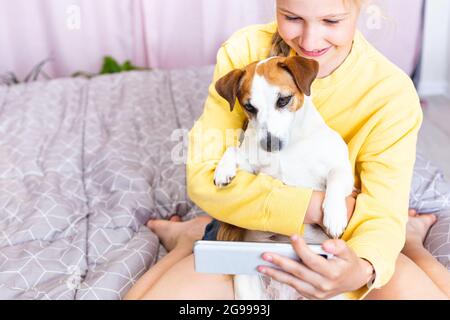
(235, 257)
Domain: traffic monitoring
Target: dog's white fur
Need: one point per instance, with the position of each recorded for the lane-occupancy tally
(313, 156)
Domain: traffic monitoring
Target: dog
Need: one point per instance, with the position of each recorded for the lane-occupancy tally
(285, 137)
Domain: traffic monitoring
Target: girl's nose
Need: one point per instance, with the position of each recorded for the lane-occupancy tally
(308, 38)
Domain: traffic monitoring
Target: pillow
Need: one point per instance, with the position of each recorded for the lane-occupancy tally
(438, 239)
(430, 192)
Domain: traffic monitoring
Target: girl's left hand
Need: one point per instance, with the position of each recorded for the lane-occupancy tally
(316, 277)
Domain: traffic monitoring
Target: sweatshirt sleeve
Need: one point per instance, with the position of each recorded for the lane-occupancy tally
(255, 202)
(385, 164)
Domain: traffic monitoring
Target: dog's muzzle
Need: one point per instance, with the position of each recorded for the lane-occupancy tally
(271, 143)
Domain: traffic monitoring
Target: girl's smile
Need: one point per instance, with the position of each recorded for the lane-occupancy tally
(322, 30)
(314, 53)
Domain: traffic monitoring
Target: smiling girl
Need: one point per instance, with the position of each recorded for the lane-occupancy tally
(328, 39)
(375, 108)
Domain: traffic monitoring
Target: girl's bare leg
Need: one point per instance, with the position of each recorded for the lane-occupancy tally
(181, 282)
(418, 275)
(178, 238)
(175, 278)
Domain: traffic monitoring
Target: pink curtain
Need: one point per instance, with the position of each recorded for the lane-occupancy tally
(76, 34)
(190, 32)
(395, 29)
(32, 30)
(155, 33)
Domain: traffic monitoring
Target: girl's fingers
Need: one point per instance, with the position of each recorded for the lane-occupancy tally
(339, 249)
(295, 268)
(309, 258)
(303, 288)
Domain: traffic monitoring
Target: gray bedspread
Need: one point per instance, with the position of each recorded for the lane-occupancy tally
(84, 164)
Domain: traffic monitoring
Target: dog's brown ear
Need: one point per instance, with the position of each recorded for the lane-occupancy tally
(227, 86)
(302, 70)
(228, 232)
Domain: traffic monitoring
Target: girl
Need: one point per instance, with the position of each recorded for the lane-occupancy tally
(375, 108)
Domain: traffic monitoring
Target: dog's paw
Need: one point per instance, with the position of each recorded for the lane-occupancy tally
(334, 216)
(225, 172)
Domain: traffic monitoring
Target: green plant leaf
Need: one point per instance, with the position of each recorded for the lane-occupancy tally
(110, 65)
(128, 66)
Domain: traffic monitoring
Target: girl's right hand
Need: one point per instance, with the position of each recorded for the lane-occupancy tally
(351, 203)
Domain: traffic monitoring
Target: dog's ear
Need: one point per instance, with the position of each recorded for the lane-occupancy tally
(227, 86)
(302, 70)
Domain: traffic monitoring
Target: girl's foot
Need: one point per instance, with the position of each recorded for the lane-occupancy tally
(175, 233)
(417, 229)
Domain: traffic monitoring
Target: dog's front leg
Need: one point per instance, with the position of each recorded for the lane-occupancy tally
(226, 169)
(339, 186)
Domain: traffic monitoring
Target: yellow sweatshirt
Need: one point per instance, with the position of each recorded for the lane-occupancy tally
(375, 108)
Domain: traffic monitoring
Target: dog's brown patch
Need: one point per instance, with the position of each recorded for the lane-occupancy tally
(228, 232)
(244, 93)
(292, 75)
(246, 82)
(279, 77)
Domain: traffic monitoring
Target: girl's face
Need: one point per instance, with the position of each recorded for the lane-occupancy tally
(322, 30)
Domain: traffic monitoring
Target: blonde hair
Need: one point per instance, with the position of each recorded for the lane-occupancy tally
(357, 3)
(280, 48)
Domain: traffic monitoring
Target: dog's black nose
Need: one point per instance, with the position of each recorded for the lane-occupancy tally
(271, 143)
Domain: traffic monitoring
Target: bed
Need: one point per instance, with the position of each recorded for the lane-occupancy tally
(84, 164)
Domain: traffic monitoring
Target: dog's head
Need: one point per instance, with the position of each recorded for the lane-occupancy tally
(270, 92)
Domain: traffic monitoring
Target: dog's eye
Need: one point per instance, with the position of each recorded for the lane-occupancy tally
(250, 108)
(283, 101)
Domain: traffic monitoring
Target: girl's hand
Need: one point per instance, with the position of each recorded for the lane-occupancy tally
(316, 277)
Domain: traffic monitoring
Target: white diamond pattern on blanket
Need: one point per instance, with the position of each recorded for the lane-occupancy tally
(85, 163)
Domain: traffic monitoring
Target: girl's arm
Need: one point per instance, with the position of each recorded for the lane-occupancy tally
(385, 165)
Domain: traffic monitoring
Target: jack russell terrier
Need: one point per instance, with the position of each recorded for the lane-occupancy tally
(286, 138)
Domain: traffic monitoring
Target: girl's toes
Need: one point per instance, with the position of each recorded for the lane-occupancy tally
(412, 212)
(175, 218)
(431, 219)
(155, 225)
